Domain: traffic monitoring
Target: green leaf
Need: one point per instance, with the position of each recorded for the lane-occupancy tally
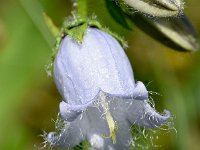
(50, 24)
(34, 10)
(116, 13)
(22, 66)
(103, 14)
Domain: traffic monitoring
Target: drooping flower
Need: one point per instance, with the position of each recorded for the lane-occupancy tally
(101, 99)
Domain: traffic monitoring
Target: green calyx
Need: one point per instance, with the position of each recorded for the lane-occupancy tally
(77, 32)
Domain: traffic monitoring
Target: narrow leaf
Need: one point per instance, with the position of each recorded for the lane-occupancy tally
(116, 13)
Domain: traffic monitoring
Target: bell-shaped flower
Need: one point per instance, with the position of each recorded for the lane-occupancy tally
(101, 99)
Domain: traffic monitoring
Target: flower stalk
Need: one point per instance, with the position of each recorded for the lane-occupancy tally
(81, 6)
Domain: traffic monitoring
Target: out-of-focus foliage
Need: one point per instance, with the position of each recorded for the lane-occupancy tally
(29, 99)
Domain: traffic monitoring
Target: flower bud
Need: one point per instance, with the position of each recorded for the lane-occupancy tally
(177, 33)
(180, 31)
(157, 8)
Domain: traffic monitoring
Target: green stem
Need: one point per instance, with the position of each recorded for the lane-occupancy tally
(82, 8)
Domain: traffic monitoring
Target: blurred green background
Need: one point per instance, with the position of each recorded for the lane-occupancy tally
(29, 99)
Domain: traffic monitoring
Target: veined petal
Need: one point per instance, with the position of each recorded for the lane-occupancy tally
(142, 114)
(70, 136)
(99, 63)
(138, 112)
(92, 124)
(98, 127)
(70, 112)
(100, 98)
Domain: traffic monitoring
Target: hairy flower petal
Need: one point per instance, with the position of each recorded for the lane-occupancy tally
(82, 70)
(70, 136)
(100, 97)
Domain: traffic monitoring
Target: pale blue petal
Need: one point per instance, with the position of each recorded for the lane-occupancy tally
(83, 72)
(142, 114)
(99, 63)
(69, 137)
